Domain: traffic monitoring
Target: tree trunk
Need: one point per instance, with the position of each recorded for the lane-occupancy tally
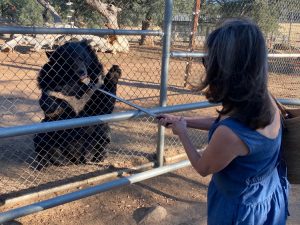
(109, 11)
(147, 23)
(146, 40)
(50, 8)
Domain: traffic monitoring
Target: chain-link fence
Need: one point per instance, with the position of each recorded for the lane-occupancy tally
(44, 78)
(279, 20)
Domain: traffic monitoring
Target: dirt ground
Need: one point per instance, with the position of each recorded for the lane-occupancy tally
(181, 193)
(130, 146)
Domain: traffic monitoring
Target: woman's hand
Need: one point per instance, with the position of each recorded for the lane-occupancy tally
(179, 126)
(176, 123)
(166, 119)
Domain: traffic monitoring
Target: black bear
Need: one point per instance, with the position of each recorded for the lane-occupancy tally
(69, 84)
(67, 67)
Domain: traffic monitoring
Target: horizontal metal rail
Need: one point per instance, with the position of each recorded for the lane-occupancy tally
(76, 184)
(293, 102)
(82, 31)
(6, 132)
(177, 54)
(63, 199)
(188, 54)
(283, 55)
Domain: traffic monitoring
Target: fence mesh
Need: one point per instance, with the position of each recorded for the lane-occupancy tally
(279, 21)
(38, 85)
(49, 159)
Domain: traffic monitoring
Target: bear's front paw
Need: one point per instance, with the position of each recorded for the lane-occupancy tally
(114, 73)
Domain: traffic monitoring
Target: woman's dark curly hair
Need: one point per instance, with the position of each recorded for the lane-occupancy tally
(236, 67)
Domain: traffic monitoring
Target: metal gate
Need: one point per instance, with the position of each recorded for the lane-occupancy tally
(159, 76)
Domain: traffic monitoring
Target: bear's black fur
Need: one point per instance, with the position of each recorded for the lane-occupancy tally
(63, 74)
(66, 68)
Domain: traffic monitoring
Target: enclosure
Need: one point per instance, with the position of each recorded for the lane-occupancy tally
(158, 46)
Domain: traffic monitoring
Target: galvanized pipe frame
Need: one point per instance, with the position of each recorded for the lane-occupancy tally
(6, 132)
(72, 185)
(34, 128)
(182, 54)
(72, 123)
(76, 31)
(63, 199)
(164, 76)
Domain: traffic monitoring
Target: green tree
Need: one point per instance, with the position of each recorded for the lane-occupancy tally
(31, 14)
(24, 12)
(264, 12)
(135, 11)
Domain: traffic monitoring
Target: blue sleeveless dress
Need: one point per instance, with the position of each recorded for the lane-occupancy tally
(252, 189)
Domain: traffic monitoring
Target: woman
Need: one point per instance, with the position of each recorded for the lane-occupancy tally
(247, 186)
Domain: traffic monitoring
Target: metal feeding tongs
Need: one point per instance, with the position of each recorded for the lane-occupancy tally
(129, 103)
(132, 104)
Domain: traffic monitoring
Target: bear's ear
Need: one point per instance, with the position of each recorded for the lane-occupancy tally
(84, 43)
(49, 54)
(53, 55)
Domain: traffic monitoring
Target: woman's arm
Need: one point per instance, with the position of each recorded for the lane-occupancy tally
(224, 146)
(200, 122)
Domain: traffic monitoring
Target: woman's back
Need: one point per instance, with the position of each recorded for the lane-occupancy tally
(248, 185)
(248, 190)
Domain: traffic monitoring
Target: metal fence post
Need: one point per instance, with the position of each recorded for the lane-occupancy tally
(164, 75)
